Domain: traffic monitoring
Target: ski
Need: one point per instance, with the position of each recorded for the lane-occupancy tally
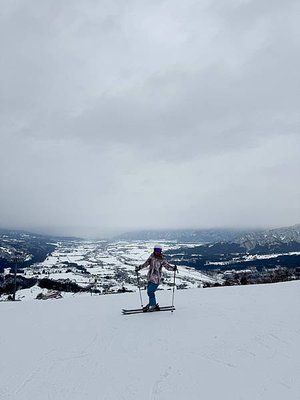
(140, 310)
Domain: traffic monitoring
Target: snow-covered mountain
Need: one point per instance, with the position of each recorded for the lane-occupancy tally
(280, 239)
(184, 235)
(27, 247)
(272, 238)
(220, 343)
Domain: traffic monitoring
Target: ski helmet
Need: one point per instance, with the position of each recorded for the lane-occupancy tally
(158, 248)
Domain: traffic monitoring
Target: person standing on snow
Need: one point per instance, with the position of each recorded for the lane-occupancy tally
(155, 263)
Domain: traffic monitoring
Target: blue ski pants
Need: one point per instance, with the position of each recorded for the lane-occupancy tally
(151, 289)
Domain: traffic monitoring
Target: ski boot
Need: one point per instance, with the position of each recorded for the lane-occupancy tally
(154, 308)
(146, 308)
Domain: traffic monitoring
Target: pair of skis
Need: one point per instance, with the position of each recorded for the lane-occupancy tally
(141, 311)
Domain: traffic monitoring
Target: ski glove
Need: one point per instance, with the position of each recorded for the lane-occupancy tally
(175, 268)
(137, 268)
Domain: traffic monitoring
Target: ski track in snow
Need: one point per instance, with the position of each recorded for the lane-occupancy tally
(28, 379)
(158, 387)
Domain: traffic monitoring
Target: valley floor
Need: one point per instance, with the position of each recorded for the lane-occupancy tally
(235, 343)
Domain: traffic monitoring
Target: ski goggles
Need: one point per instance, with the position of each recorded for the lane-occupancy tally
(157, 249)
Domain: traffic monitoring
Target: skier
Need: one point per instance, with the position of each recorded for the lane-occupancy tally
(155, 263)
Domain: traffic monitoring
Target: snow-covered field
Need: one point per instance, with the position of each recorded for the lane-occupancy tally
(108, 267)
(235, 343)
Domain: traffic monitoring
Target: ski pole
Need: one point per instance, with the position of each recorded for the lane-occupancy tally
(138, 282)
(173, 295)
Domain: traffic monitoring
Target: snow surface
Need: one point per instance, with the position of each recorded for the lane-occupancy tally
(236, 343)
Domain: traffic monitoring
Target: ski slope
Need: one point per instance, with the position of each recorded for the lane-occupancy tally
(235, 343)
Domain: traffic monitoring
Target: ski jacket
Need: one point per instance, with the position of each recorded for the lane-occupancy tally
(155, 265)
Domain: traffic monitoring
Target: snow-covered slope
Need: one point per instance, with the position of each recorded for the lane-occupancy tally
(235, 343)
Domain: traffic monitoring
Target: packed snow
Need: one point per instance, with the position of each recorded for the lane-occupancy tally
(235, 343)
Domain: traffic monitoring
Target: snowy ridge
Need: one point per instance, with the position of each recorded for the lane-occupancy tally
(270, 237)
(220, 343)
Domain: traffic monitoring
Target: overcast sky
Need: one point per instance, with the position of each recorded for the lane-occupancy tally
(118, 115)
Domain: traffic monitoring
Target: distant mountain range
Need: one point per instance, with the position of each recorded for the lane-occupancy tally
(272, 238)
(268, 248)
(209, 244)
(246, 239)
(184, 235)
(229, 248)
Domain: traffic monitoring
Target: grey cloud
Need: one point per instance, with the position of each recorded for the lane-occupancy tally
(98, 99)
